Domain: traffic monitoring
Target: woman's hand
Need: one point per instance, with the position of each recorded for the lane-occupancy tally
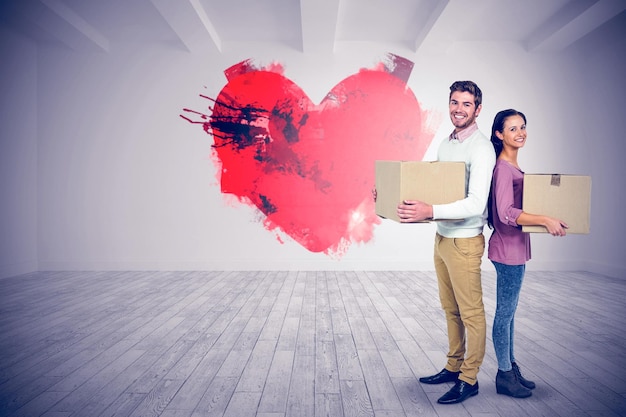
(555, 227)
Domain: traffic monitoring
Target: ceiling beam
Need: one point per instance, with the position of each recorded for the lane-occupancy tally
(434, 15)
(75, 31)
(572, 22)
(191, 24)
(319, 25)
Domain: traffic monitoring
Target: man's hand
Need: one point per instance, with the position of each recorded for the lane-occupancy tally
(410, 211)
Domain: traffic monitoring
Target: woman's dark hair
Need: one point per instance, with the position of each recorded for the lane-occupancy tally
(498, 126)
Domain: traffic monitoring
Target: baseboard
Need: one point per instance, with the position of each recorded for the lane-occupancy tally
(241, 265)
(18, 268)
(607, 270)
(297, 265)
(587, 266)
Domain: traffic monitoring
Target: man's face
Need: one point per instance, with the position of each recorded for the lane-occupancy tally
(463, 111)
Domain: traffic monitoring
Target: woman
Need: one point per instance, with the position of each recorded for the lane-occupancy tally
(509, 247)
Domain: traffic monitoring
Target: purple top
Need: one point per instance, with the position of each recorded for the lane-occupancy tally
(508, 244)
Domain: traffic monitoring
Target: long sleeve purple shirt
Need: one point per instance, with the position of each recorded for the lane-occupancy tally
(508, 244)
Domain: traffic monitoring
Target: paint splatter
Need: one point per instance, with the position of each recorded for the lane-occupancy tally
(310, 168)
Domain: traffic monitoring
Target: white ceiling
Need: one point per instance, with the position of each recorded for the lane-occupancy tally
(307, 25)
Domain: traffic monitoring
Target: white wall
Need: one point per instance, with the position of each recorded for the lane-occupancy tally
(125, 183)
(600, 125)
(18, 155)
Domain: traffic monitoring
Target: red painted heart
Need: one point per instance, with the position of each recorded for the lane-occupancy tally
(310, 168)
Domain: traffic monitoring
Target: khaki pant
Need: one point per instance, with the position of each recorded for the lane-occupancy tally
(457, 262)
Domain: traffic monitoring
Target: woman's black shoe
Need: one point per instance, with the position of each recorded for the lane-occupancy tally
(525, 382)
(508, 384)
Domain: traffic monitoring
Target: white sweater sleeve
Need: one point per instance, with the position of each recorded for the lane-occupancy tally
(480, 160)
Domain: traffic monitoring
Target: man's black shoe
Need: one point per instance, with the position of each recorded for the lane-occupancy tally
(441, 377)
(459, 393)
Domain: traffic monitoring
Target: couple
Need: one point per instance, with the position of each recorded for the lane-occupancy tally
(494, 183)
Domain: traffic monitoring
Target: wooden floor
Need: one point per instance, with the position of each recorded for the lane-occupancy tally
(278, 344)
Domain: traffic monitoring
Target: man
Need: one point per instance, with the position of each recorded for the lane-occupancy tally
(459, 244)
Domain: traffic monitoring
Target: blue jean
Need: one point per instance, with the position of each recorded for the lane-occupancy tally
(509, 285)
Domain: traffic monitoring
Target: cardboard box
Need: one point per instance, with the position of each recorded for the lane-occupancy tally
(432, 182)
(565, 197)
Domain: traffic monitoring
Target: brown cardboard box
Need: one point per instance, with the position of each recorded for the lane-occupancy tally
(565, 197)
(432, 182)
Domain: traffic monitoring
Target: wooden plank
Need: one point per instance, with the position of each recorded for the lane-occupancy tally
(234, 364)
(355, 399)
(37, 406)
(416, 359)
(289, 334)
(276, 390)
(323, 326)
(301, 397)
(109, 395)
(305, 345)
(348, 363)
(382, 394)
(243, 404)
(395, 364)
(194, 387)
(94, 395)
(413, 398)
(14, 399)
(184, 363)
(255, 373)
(327, 405)
(360, 333)
(155, 401)
(326, 372)
(175, 413)
(156, 371)
(124, 405)
(216, 398)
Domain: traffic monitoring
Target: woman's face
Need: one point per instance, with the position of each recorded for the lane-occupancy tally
(513, 134)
